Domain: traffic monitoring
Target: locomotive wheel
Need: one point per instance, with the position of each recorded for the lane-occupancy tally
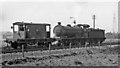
(82, 43)
(66, 43)
(40, 44)
(46, 44)
(74, 43)
(59, 44)
(79, 44)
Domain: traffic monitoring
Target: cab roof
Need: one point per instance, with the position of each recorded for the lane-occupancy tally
(24, 23)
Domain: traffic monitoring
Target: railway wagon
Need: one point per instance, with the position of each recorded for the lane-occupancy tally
(30, 33)
(78, 34)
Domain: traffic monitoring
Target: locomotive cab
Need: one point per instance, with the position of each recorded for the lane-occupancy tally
(18, 31)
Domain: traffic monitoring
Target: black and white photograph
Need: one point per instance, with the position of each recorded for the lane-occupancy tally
(65, 33)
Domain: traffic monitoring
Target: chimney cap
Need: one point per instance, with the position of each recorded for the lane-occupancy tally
(59, 23)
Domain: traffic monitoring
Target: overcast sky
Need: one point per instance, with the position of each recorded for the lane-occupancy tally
(52, 12)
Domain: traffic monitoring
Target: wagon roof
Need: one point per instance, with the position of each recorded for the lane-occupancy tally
(18, 23)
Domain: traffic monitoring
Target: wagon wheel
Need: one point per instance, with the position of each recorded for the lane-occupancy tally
(59, 43)
(14, 45)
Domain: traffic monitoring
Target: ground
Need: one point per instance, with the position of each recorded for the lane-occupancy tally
(94, 56)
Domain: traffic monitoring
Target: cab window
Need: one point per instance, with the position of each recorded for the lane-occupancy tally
(21, 28)
(15, 27)
(47, 28)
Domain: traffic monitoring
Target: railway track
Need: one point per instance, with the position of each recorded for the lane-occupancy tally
(32, 48)
(53, 47)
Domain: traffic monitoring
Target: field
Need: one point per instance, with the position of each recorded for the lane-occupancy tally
(103, 56)
(94, 56)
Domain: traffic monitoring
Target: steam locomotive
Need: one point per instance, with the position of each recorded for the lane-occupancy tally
(78, 34)
(34, 33)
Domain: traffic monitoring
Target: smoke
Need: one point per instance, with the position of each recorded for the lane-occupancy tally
(1, 16)
(78, 8)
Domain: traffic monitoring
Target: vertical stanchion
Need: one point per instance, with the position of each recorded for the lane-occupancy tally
(70, 47)
(11, 56)
(7, 45)
(86, 44)
(80, 45)
(49, 48)
(99, 44)
(63, 46)
(23, 51)
(111, 43)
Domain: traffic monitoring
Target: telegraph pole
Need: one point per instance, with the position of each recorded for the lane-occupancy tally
(94, 17)
(114, 21)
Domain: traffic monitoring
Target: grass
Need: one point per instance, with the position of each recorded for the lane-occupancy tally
(76, 60)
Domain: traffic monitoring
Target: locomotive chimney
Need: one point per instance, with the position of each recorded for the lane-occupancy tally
(59, 23)
(94, 21)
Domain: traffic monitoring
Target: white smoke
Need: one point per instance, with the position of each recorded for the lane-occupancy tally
(77, 12)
